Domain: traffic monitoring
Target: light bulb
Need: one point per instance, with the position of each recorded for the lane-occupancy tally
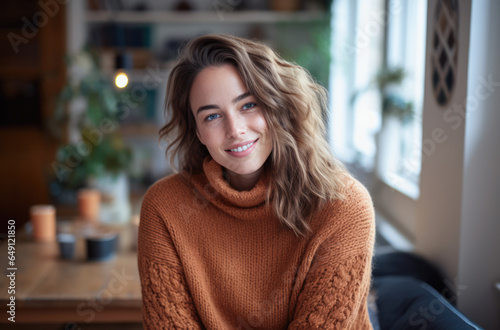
(121, 80)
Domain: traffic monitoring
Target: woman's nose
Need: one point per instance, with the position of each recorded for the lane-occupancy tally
(235, 126)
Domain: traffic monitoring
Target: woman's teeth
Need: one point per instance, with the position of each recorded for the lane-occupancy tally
(240, 149)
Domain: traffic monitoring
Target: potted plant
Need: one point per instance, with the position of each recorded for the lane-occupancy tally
(396, 112)
(393, 105)
(92, 151)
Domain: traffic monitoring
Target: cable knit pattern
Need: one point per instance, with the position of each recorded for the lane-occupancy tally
(211, 257)
(167, 303)
(333, 299)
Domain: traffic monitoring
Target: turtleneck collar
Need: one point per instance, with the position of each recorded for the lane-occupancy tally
(218, 187)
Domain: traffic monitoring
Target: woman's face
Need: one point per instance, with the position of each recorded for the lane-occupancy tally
(229, 120)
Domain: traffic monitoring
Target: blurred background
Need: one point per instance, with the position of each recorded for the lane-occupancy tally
(69, 114)
(413, 94)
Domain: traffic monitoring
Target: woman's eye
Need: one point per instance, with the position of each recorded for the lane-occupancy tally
(211, 117)
(249, 105)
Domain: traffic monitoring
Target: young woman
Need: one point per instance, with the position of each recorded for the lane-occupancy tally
(262, 227)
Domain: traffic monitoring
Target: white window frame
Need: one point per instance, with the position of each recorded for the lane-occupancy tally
(394, 196)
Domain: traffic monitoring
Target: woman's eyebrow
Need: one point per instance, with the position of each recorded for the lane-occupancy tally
(214, 106)
(206, 107)
(241, 97)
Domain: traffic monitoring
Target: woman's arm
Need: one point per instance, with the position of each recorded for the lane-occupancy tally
(334, 296)
(166, 300)
(335, 290)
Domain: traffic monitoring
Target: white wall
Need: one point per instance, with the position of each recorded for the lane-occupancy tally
(479, 261)
(458, 212)
(438, 217)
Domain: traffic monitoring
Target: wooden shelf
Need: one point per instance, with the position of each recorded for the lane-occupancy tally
(143, 130)
(137, 75)
(167, 17)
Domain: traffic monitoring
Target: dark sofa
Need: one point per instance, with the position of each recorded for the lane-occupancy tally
(411, 293)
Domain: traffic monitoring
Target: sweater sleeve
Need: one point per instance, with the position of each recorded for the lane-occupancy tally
(334, 293)
(166, 300)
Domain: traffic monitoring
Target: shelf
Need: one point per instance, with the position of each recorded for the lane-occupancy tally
(167, 17)
(142, 130)
(158, 75)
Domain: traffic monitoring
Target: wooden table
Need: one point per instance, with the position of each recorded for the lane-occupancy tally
(51, 290)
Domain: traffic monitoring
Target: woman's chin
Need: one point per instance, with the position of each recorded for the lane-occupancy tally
(248, 171)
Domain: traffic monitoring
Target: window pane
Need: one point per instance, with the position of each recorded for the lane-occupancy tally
(357, 32)
(406, 49)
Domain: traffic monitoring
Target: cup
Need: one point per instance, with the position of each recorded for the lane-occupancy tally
(88, 204)
(101, 246)
(67, 244)
(43, 221)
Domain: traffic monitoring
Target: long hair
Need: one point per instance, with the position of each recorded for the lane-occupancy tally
(304, 174)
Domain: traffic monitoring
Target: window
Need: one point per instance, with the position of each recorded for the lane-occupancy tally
(359, 134)
(357, 33)
(406, 32)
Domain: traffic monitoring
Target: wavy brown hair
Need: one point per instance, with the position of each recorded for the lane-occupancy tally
(304, 174)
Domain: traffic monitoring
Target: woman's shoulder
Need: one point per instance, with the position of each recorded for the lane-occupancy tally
(166, 188)
(355, 209)
(348, 224)
(356, 194)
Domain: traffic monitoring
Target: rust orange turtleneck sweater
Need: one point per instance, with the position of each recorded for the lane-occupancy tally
(225, 262)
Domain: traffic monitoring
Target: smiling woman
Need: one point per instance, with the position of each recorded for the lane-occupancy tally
(262, 226)
(230, 123)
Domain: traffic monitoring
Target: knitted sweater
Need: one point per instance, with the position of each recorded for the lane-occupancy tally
(216, 258)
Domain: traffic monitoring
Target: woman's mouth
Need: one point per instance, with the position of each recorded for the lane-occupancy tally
(243, 150)
(245, 147)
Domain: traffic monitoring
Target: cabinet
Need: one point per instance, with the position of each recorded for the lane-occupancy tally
(151, 39)
(32, 46)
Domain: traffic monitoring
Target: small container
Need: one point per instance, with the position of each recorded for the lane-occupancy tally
(101, 246)
(67, 244)
(89, 201)
(43, 221)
